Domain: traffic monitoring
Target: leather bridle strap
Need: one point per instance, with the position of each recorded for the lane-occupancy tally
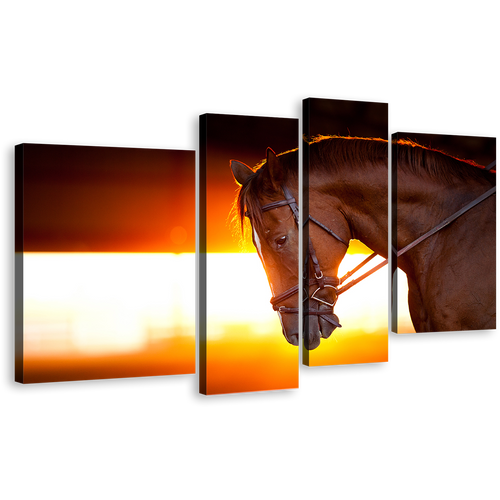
(448, 220)
(292, 202)
(414, 243)
(292, 291)
(280, 203)
(329, 231)
(491, 165)
(319, 279)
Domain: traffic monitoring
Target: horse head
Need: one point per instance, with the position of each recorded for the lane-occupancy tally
(275, 235)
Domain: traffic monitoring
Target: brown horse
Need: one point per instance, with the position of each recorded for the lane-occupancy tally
(346, 188)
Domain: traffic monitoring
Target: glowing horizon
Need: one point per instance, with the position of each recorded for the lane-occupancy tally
(84, 306)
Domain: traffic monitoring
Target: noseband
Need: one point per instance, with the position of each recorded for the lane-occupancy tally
(319, 279)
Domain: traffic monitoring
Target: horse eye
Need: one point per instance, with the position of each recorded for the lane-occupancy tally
(281, 241)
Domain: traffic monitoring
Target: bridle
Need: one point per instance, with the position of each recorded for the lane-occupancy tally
(322, 281)
(319, 279)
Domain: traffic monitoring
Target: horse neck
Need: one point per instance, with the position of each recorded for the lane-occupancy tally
(422, 203)
(361, 195)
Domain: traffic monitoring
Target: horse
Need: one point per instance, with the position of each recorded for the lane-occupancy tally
(346, 188)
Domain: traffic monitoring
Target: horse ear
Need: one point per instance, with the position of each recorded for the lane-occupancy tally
(274, 169)
(241, 172)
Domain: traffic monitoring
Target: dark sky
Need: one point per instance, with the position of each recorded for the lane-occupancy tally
(243, 138)
(100, 199)
(349, 117)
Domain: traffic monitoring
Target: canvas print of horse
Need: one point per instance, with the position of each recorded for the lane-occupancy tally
(108, 265)
(348, 202)
(437, 193)
(447, 187)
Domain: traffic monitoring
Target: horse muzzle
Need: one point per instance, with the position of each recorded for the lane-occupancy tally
(318, 326)
(320, 320)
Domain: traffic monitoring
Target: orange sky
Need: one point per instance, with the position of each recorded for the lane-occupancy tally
(243, 138)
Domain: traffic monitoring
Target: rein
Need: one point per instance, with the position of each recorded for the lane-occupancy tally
(414, 243)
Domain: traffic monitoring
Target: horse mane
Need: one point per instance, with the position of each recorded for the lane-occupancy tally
(331, 153)
(421, 160)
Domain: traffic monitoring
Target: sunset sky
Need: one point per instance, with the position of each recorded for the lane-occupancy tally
(108, 236)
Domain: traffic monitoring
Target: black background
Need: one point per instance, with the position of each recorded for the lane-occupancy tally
(428, 374)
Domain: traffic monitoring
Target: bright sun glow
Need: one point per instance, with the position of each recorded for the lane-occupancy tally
(92, 304)
(238, 292)
(100, 303)
(119, 301)
(365, 304)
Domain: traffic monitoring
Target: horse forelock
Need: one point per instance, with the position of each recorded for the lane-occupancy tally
(249, 198)
(248, 202)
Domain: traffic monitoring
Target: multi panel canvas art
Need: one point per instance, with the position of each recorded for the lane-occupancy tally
(106, 276)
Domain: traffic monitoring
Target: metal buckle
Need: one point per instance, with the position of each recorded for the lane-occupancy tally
(318, 277)
(313, 296)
